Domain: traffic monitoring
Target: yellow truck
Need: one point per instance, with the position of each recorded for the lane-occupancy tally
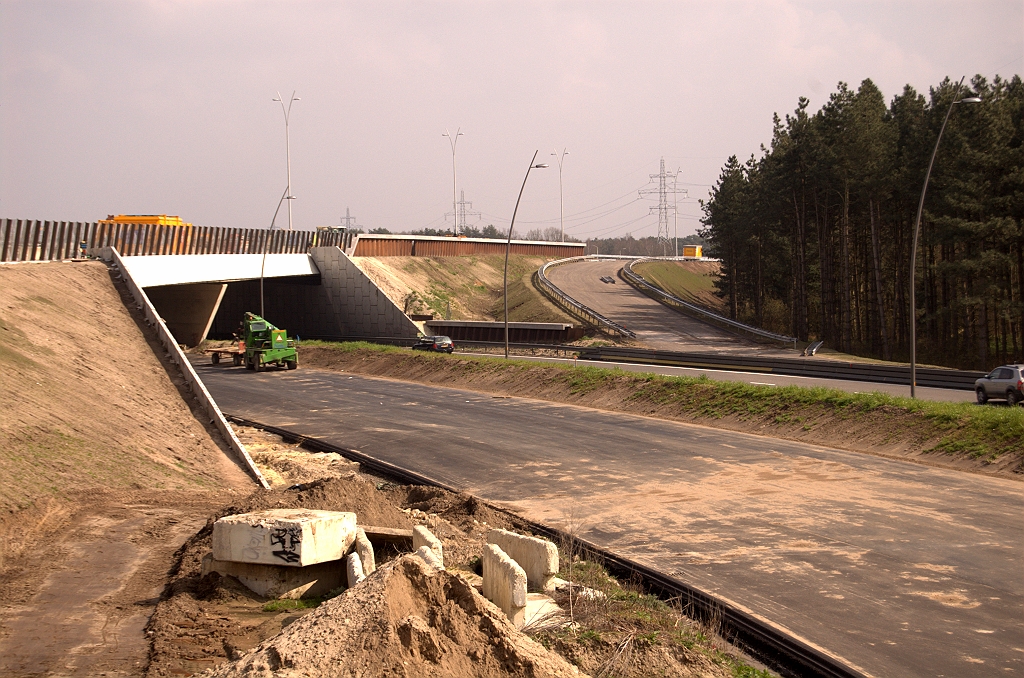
(151, 219)
(692, 251)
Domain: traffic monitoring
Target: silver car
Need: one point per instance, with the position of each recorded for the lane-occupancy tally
(1006, 382)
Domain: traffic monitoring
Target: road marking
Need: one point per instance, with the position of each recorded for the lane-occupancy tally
(761, 383)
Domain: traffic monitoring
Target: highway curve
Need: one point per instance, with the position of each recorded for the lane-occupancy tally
(654, 323)
(895, 568)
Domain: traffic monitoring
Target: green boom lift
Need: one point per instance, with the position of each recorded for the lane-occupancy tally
(267, 345)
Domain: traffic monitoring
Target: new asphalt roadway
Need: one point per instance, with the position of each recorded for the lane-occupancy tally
(655, 324)
(897, 569)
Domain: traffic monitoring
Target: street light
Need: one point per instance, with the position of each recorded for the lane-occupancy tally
(917, 231)
(675, 210)
(288, 151)
(561, 223)
(454, 141)
(508, 242)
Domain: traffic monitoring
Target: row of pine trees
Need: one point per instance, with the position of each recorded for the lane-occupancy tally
(815, 234)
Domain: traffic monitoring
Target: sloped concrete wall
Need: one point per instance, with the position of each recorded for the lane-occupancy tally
(188, 310)
(359, 307)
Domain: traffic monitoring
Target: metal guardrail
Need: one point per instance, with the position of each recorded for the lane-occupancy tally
(821, 368)
(573, 307)
(672, 301)
(795, 367)
(787, 655)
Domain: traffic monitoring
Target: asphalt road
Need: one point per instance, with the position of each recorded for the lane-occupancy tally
(655, 324)
(897, 569)
(758, 378)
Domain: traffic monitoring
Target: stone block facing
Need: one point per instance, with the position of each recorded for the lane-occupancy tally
(421, 536)
(538, 557)
(274, 581)
(287, 537)
(365, 550)
(505, 584)
(354, 569)
(429, 557)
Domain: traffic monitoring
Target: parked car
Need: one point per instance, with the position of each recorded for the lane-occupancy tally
(440, 343)
(1006, 382)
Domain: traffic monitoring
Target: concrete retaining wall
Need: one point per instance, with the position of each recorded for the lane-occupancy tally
(195, 384)
(359, 307)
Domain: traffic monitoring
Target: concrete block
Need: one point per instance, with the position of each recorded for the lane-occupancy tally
(289, 537)
(538, 557)
(429, 557)
(505, 584)
(354, 569)
(276, 581)
(421, 536)
(365, 551)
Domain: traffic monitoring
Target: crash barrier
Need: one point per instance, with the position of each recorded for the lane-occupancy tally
(196, 385)
(795, 367)
(637, 280)
(28, 240)
(822, 368)
(783, 653)
(573, 307)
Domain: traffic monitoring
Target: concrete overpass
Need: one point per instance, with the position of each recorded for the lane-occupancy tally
(321, 294)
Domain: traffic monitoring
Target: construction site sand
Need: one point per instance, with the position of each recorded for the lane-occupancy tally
(405, 620)
(104, 471)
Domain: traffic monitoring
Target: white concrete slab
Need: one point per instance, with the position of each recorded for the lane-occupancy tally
(505, 584)
(179, 269)
(285, 537)
(538, 557)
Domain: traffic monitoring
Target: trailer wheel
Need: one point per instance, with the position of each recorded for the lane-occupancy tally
(236, 360)
(249, 364)
(215, 358)
(291, 364)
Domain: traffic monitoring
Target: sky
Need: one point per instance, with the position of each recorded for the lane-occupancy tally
(166, 107)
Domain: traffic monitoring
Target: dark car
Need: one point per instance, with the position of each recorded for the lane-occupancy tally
(1006, 382)
(439, 343)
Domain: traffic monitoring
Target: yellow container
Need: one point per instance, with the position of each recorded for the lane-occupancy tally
(692, 251)
(152, 219)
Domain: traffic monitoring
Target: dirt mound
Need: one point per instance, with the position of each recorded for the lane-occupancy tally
(406, 619)
(87, 401)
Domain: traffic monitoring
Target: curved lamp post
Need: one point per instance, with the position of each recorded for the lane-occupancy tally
(454, 141)
(917, 231)
(560, 159)
(508, 242)
(288, 151)
(266, 246)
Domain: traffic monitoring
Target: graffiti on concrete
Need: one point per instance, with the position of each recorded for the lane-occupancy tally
(288, 538)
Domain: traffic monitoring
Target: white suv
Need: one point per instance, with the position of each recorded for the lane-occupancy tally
(1003, 382)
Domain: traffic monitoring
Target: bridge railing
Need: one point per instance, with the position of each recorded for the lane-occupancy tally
(573, 307)
(29, 240)
(638, 281)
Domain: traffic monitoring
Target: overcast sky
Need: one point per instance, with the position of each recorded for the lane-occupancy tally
(148, 107)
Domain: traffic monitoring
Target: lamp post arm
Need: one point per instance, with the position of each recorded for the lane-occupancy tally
(508, 245)
(266, 245)
(913, 248)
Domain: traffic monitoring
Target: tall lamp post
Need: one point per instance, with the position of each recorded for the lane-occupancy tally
(508, 242)
(288, 150)
(454, 141)
(560, 159)
(917, 231)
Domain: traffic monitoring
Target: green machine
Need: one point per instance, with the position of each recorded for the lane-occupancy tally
(267, 345)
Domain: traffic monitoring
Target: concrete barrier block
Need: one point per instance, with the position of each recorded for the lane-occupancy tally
(354, 569)
(429, 557)
(421, 536)
(288, 537)
(538, 557)
(276, 581)
(365, 550)
(505, 584)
